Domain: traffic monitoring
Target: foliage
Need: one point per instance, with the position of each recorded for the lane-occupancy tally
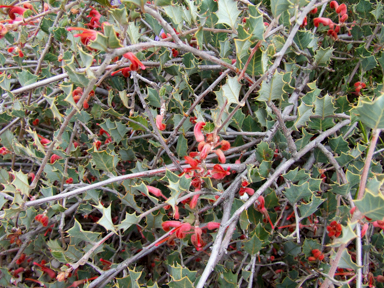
(181, 143)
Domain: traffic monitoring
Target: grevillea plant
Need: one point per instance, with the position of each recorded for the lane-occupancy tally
(207, 143)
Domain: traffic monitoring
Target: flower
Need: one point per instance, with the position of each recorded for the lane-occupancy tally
(219, 172)
(313, 11)
(14, 10)
(378, 224)
(263, 210)
(196, 239)
(205, 151)
(43, 219)
(77, 93)
(159, 123)
(35, 122)
(156, 191)
(46, 270)
(95, 19)
(135, 62)
(4, 151)
(97, 144)
(197, 131)
(69, 180)
(220, 155)
(343, 18)
(342, 9)
(324, 21)
(334, 5)
(124, 71)
(334, 229)
(191, 161)
(225, 145)
(359, 86)
(213, 225)
(194, 200)
(86, 35)
(54, 157)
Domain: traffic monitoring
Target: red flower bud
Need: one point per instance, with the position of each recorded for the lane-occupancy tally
(159, 124)
(54, 157)
(342, 9)
(197, 131)
(35, 122)
(69, 180)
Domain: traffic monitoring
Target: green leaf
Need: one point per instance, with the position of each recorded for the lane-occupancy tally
(273, 89)
(116, 129)
(371, 206)
(264, 152)
(182, 146)
(86, 58)
(182, 283)
(303, 38)
(178, 272)
(227, 280)
(77, 232)
(303, 115)
(242, 48)
(77, 78)
(308, 209)
(21, 182)
(105, 3)
(296, 192)
(131, 281)
(231, 90)
(100, 43)
(371, 113)
(106, 220)
(309, 245)
(7, 139)
(133, 33)
(346, 261)
(368, 63)
(323, 56)
(130, 219)
(103, 161)
(363, 8)
(324, 106)
(26, 78)
(255, 26)
(253, 245)
(338, 145)
(139, 119)
(279, 6)
(110, 33)
(120, 15)
(228, 13)
(175, 13)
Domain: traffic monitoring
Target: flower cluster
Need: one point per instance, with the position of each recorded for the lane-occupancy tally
(359, 86)
(245, 190)
(43, 219)
(334, 229)
(183, 229)
(261, 208)
(95, 19)
(4, 151)
(135, 64)
(78, 92)
(341, 10)
(317, 255)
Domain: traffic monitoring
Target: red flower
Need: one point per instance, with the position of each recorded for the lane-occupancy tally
(194, 200)
(97, 144)
(181, 228)
(225, 145)
(364, 229)
(304, 23)
(213, 225)
(378, 224)
(175, 53)
(86, 35)
(334, 229)
(334, 5)
(247, 190)
(220, 155)
(80, 282)
(46, 270)
(191, 161)
(219, 172)
(95, 19)
(343, 18)
(205, 151)
(135, 63)
(263, 210)
(196, 239)
(43, 219)
(342, 9)
(54, 157)
(4, 151)
(359, 86)
(77, 93)
(124, 71)
(69, 180)
(313, 11)
(159, 123)
(35, 122)
(14, 10)
(102, 132)
(324, 21)
(17, 272)
(21, 259)
(197, 131)
(156, 191)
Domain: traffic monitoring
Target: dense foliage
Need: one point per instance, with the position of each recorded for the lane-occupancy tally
(191, 143)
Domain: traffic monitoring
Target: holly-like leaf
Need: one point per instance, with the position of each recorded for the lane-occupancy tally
(308, 209)
(26, 78)
(182, 146)
(346, 261)
(371, 206)
(130, 219)
(323, 56)
(131, 281)
(303, 115)
(77, 232)
(253, 245)
(264, 152)
(371, 113)
(116, 129)
(228, 12)
(324, 106)
(272, 89)
(106, 220)
(133, 33)
(104, 161)
(178, 272)
(296, 192)
(231, 90)
(182, 283)
(279, 6)
(21, 182)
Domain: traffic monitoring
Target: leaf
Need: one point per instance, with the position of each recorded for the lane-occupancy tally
(227, 279)
(103, 161)
(273, 89)
(338, 144)
(309, 245)
(323, 56)
(7, 140)
(120, 15)
(104, 3)
(264, 152)
(182, 283)
(279, 6)
(78, 79)
(116, 129)
(178, 272)
(182, 146)
(371, 113)
(296, 192)
(133, 33)
(253, 245)
(86, 58)
(231, 90)
(368, 63)
(106, 220)
(21, 182)
(363, 8)
(130, 219)
(307, 210)
(228, 13)
(139, 119)
(371, 206)
(77, 232)
(324, 106)
(346, 261)
(303, 38)
(100, 43)
(26, 78)
(175, 13)
(303, 115)
(131, 281)
(242, 48)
